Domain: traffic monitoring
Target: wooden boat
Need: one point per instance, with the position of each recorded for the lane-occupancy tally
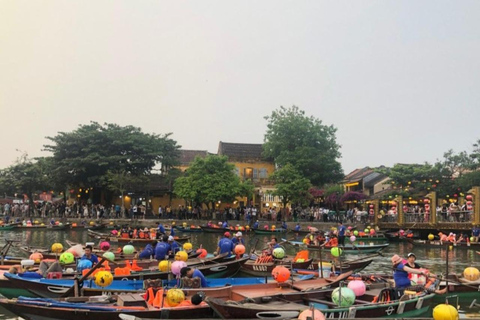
(113, 239)
(395, 236)
(378, 237)
(467, 291)
(94, 308)
(300, 232)
(356, 265)
(355, 249)
(5, 227)
(265, 269)
(440, 244)
(44, 227)
(188, 229)
(278, 304)
(56, 288)
(276, 231)
(90, 227)
(215, 229)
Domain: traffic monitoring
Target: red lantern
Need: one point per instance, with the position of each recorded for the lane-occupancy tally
(469, 197)
(426, 200)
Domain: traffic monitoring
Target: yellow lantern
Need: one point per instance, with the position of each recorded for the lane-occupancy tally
(175, 297)
(181, 256)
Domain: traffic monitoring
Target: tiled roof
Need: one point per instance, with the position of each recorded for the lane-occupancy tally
(372, 179)
(358, 174)
(241, 151)
(187, 156)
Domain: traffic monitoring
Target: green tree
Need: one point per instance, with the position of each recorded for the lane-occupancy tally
(84, 156)
(209, 180)
(291, 186)
(26, 176)
(306, 143)
(122, 181)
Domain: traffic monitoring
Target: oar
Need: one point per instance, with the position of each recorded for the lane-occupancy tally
(75, 286)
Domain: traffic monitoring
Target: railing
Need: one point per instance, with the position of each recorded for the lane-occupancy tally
(455, 216)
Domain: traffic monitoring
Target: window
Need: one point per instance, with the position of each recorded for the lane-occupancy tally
(263, 173)
(248, 173)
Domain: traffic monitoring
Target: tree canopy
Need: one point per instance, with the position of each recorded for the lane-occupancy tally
(84, 156)
(306, 143)
(291, 186)
(209, 180)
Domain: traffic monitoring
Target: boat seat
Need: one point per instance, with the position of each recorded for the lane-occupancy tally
(362, 301)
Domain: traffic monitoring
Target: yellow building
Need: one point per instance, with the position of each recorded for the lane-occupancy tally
(250, 164)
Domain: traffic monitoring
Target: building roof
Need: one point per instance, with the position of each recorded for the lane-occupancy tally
(241, 151)
(187, 156)
(372, 179)
(358, 174)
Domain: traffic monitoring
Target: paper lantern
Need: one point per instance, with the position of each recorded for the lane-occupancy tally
(353, 238)
(280, 274)
(181, 256)
(247, 227)
(445, 312)
(343, 297)
(36, 256)
(472, 239)
(42, 224)
(128, 249)
(431, 237)
(74, 225)
(104, 245)
(203, 253)
(336, 251)
(308, 314)
(355, 232)
(305, 241)
(187, 246)
(36, 222)
(366, 230)
(92, 223)
(57, 247)
(103, 278)
(358, 287)
(111, 223)
(83, 264)
(278, 253)
(164, 265)
(469, 197)
(273, 227)
(184, 224)
(175, 297)
(239, 249)
(74, 252)
(66, 258)
(57, 223)
(471, 274)
(372, 232)
(177, 266)
(109, 255)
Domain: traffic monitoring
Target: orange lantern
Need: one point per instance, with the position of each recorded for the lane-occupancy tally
(280, 274)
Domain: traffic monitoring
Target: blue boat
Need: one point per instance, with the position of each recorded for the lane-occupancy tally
(55, 288)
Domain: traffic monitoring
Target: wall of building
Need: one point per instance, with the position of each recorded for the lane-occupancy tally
(382, 185)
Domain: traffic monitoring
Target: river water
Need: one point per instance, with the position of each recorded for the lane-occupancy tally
(433, 259)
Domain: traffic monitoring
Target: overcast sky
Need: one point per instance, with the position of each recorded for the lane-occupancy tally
(399, 79)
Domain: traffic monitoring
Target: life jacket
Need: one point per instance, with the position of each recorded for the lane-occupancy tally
(141, 235)
(158, 301)
(332, 242)
(135, 233)
(125, 235)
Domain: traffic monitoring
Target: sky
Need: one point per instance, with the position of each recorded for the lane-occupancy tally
(400, 80)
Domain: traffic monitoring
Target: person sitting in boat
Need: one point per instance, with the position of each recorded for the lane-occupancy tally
(272, 245)
(297, 227)
(475, 233)
(319, 238)
(52, 222)
(284, 225)
(332, 241)
(162, 248)
(209, 224)
(175, 247)
(44, 269)
(225, 224)
(255, 225)
(451, 237)
(443, 237)
(410, 262)
(160, 228)
(238, 239)
(172, 230)
(225, 245)
(148, 251)
(402, 281)
(89, 255)
(194, 273)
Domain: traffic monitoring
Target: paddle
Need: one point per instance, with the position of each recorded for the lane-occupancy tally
(75, 286)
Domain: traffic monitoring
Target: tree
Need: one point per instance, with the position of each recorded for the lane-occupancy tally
(209, 180)
(304, 142)
(122, 181)
(84, 156)
(333, 194)
(291, 186)
(25, 177)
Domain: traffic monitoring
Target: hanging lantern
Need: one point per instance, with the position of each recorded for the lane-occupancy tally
(469, 197)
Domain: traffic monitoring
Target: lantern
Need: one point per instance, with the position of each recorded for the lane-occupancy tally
(181, 256)
(128, 249)
(240, 249)
(164, 265)
(36, 256)
(109, 255)
(175, 297)
(187, 246)
(471, 274)
(177, 266)
(445, 312)
(66, 258)
(103, 278)
(343, 297)
(278, 253)
(203, 253)
(280, 274)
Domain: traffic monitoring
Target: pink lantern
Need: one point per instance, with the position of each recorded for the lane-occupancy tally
(314, 314)
(203, 253)
(104, 245)
(177, 266)
(372, 232)
(358, 287)
(353, 238)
